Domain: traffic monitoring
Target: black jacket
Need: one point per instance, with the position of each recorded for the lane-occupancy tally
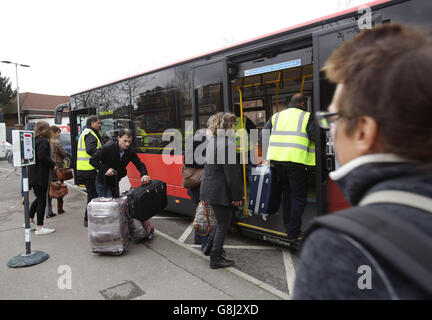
(39, 172)
(91, 148)
(109, 157)
(222, 183)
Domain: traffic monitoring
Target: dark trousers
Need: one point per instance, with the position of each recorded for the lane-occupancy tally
(38, 204)
(293, 180)
(223, 220)
(107, 191)
(91, 192)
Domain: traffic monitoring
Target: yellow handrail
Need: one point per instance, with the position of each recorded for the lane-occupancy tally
(243, 153)
(277, 93)
(303, 80)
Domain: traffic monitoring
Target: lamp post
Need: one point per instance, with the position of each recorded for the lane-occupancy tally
(16, 70)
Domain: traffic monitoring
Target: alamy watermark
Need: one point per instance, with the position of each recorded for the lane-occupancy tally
(365, 20)
(227, 147)
(365, 280)
(65, 280)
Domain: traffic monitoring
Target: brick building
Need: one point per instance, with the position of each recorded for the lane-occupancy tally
(31, 105)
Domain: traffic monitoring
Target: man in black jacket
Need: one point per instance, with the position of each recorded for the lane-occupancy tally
(111, 161)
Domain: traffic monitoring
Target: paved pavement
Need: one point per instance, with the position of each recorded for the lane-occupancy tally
(162, 268)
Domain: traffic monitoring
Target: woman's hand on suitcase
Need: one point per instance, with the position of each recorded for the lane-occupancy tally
(237, 203)
(110, 172)
(145, 179)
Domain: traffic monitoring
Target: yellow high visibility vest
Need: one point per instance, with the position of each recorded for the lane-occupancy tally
(83, 157)
(289, 140)
(239, 135)
(142, 134)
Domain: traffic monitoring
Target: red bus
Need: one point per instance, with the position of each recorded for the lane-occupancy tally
(261, 75)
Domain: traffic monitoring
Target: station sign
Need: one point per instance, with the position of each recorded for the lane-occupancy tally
(23, 148)
(273, 67)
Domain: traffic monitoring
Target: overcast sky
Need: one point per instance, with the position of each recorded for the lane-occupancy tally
(76, 45)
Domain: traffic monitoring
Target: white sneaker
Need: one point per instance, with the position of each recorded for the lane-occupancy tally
(44, 230)
(32, 225)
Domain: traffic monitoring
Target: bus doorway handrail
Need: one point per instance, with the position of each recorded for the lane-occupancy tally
(242, 150)
(303, 81)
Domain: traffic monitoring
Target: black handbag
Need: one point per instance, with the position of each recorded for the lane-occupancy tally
(147, 200)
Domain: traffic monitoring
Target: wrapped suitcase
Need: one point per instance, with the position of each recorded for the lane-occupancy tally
(108, 225)
(147, 200)
(265, 193)
(140, 230)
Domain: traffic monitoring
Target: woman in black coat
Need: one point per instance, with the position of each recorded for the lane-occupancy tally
(39, 176)
(222, 184)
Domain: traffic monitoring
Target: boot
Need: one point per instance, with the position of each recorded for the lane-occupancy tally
(218, 261)
(51, 214)
(60, 206)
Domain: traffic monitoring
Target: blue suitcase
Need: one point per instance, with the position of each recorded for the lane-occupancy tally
(264, 192)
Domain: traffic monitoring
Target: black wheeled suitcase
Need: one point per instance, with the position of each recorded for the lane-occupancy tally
(147, 200)
(265, 193)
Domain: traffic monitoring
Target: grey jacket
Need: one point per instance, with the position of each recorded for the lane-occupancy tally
(330, 261)
(222, 183)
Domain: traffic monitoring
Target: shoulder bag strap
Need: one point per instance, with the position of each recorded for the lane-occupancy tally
(402, 244)
(55, 160)
(398, 197)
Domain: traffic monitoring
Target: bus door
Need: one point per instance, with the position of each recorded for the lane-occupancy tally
(78, 120)
(329, 196)
(261, 88)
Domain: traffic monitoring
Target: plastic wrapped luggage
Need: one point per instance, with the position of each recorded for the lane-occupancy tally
(147, 200)
(140, 230)
(108, 225)
(265, 193)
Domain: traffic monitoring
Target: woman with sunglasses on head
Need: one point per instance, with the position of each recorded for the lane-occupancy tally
(39, 176)
(221, 186)
(380, 119)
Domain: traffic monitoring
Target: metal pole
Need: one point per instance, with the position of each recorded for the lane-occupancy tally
(18, 102)
(26, 208)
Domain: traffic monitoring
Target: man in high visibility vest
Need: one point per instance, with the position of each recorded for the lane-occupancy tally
(89, 141)
(142, 138)
(291, 150)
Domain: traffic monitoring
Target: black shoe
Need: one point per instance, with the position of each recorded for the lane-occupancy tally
(51, 215)
(296, 238)
(218, 261)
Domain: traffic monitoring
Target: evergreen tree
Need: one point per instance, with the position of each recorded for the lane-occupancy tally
(6, 92)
